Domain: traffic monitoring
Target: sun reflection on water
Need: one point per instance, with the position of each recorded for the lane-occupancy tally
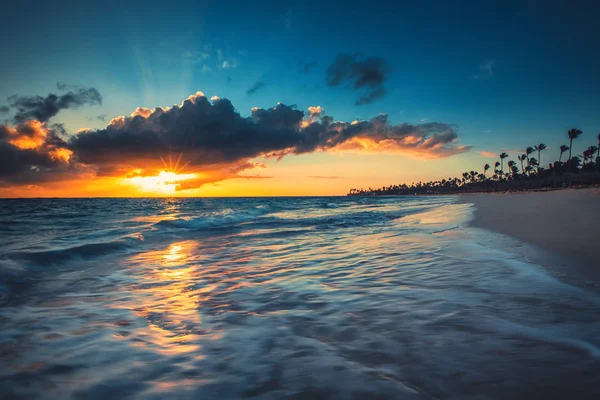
(169, 299)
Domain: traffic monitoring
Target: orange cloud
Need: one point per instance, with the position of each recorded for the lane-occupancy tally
(410, 146)
(143, 111)
(31, 135)
(60, 154)
(117, 121)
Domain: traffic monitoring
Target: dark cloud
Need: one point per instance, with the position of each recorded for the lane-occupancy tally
(101, 117)
(207, 136)
(256, 87)
(211, 133)
(32, 152)
(207, 133)
(43, 108)
(308, 67)
(365, 75)
(4, 109)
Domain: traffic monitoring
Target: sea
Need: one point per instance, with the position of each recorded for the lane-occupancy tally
(282, 298)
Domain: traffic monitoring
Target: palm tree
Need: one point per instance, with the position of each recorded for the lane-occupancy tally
(533, 163)
(564, 148)
(539, 149)
(502, 157)
(496, 165)
(589, 153)
(522, 158)
(473, 176)
(528, 151)
(485, 168)
(573, 134)
(598, 154)
(512, 165)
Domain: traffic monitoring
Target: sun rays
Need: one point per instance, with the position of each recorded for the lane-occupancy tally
(167, 182)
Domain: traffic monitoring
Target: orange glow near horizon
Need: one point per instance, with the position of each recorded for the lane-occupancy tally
(165, 183)
(322, 173)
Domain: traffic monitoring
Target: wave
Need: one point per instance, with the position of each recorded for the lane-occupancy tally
(83, 251)
(222, 219)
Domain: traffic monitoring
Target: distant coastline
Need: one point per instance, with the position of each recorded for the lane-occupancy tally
(577, 171)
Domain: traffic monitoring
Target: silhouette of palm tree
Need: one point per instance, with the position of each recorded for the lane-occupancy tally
(471, 179)
(502, 157)
(528, 151)
(533, 163)
(539, 149)
(522, 158)
(573, 134)
(563, 149)
(588, 154)
(598, 153)
(512, 165)
(496, 165)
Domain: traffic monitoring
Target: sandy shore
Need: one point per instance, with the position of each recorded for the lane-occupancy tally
(565, 224)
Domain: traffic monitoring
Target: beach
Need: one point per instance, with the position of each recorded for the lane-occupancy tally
(563, 225)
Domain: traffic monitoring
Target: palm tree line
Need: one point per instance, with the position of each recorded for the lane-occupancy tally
(583, 169)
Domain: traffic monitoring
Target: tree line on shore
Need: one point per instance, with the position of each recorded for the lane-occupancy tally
(583, 170)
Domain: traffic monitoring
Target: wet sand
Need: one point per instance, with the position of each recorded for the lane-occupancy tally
(563, 224)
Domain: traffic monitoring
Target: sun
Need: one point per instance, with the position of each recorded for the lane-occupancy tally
(165, 183)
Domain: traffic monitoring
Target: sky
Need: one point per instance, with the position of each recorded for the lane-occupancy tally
(285, 98)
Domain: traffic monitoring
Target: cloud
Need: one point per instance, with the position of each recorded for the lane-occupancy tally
(32, 152)
(256, 87)
(316, 110)
(142, 111)
(488, 154)
(212, 133)
(486, 70)
(210, 137)
(224, 62)
(4, 109)
(194, 57)
(308, 67)
(366, 76)
(43, 108)
(101, 117)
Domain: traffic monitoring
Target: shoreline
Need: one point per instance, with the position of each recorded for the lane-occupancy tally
(562, 227)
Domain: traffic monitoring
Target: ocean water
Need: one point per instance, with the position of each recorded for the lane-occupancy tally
(296, 298)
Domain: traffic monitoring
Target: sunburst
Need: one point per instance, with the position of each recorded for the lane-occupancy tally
(167, 182)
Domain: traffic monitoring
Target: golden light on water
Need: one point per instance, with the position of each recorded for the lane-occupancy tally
(171, 306)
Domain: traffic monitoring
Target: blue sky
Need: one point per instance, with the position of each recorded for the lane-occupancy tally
(507, 73)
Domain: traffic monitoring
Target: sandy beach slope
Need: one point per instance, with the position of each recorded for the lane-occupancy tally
(564, 223)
